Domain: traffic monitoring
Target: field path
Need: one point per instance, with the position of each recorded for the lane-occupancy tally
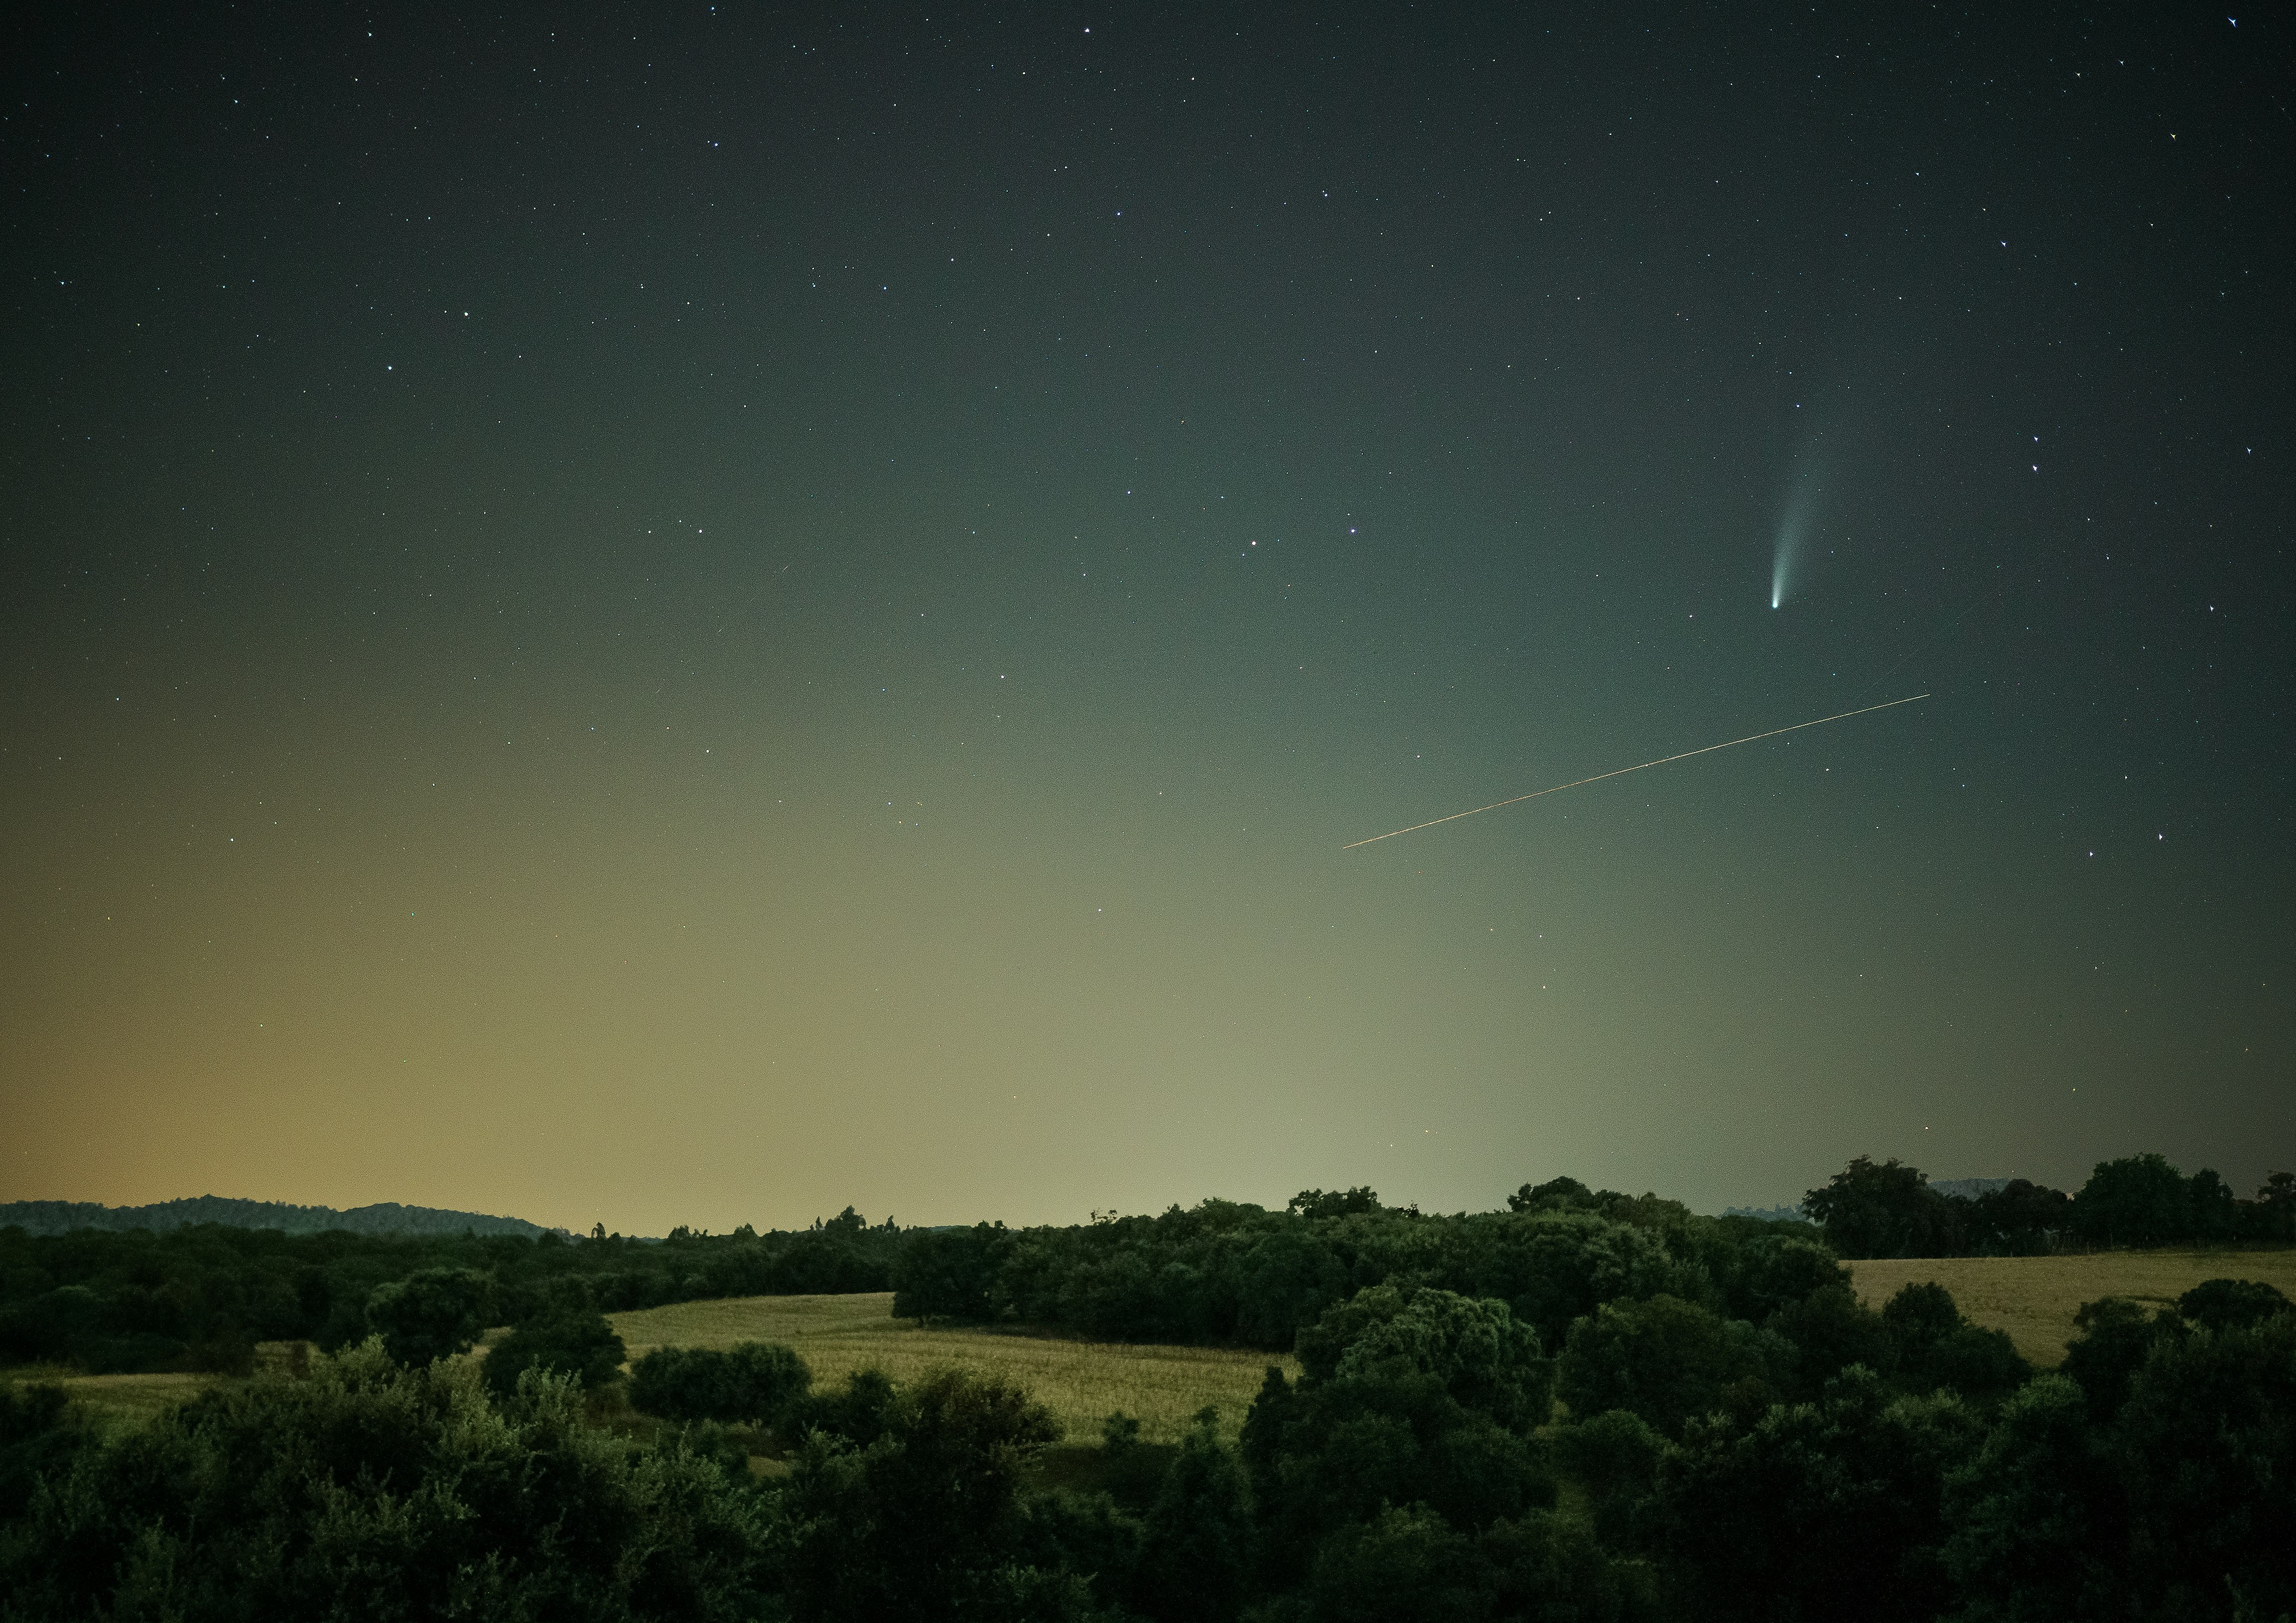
(1081, 1382)
(2034, 1299)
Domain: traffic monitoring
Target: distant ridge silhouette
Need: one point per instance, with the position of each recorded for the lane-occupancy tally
(387, 1218)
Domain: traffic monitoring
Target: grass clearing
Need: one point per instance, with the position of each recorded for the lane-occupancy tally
(119, 1402)
(2034, 1299)
(1081, 1382)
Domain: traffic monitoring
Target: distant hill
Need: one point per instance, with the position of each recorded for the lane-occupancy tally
(389, 1217)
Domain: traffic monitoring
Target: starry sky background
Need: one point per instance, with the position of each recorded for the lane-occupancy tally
(669, 614)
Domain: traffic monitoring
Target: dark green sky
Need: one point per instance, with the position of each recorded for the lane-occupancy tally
(683, 615)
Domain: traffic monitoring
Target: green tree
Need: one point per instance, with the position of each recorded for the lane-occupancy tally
(1885, 1211)
(1937, 1346)
(1667, 1361)
(2211, 1210)
(1555, 1194)
(2038, 1520)
(39, 1434)
(1314, 1203)
(582, 1345)
(2021, 1219)
(1196, 1553)
(949, 1274)
(373, 1490)
(757, 1383)
(1405, 1397)
(2274, 1208)
(1547, 1565)
(2138, 1200)
(1828, 1330)
(1405, 1565)
(2231, 1304)
(2205, 1442)
(1285, 1280)
(2114, 1338)
(1613, 1456)
(433, 1313)
(924, 1519)
(1816, 1511)
(1554, 1268)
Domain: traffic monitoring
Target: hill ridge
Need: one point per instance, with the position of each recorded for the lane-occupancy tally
(379, 1217)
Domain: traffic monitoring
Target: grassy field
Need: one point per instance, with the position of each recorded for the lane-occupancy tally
(132, 1400)
(2034, 1298)
(1081, 1381)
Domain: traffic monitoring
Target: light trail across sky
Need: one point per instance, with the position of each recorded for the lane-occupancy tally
(1622, 771)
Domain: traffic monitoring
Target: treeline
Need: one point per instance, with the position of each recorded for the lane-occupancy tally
(200, 1298)
(1890, 1210)
(1222, 1272)
(1226, 1273)
(1831, 1460)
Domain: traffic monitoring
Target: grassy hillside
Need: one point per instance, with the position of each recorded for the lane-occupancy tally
(2034, 1298)
(1081, 1381)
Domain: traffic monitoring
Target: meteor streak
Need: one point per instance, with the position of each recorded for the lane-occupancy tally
(1622, 771)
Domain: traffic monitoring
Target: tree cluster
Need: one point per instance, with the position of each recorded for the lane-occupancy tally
(1233, 1274)
(1889, 1209)
(200, 1298)
(1589, 1405)
(1414, 1470)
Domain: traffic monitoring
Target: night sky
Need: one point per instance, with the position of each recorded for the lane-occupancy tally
(693, 615)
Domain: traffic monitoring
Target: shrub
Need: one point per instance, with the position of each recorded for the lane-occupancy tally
(433, 1313)
(2231, 1304)
(582, 1345)
(1667, 1361)
(757, 1383)
(372, 1490)
(925, 1519)
(1197, 1549)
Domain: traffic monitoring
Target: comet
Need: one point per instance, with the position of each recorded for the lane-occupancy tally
(1644, 767)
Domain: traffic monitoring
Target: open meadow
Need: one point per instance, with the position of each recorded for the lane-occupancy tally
(1081, 1382)
(2034, 1299)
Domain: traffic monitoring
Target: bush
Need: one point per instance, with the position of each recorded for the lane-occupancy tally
(1827, 1510)
(1196, 1553)
(2036, 1516)
(2115, 1336)
(2231, 1304)
(1667, 1361)
(2206, 1439)
(925, 1519)
(1614, 1457)
(582, 1345)
(433, 1313)
(1406, 1397)
(756, 1384)
(1937, 1346)
(371, 1489)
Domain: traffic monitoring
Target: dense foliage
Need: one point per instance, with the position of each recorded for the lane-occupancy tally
(1890, 1210)
(754, 1383)
(1222, 1272)
(200, 1298)
(1411, 1472)
(1588, 1406)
